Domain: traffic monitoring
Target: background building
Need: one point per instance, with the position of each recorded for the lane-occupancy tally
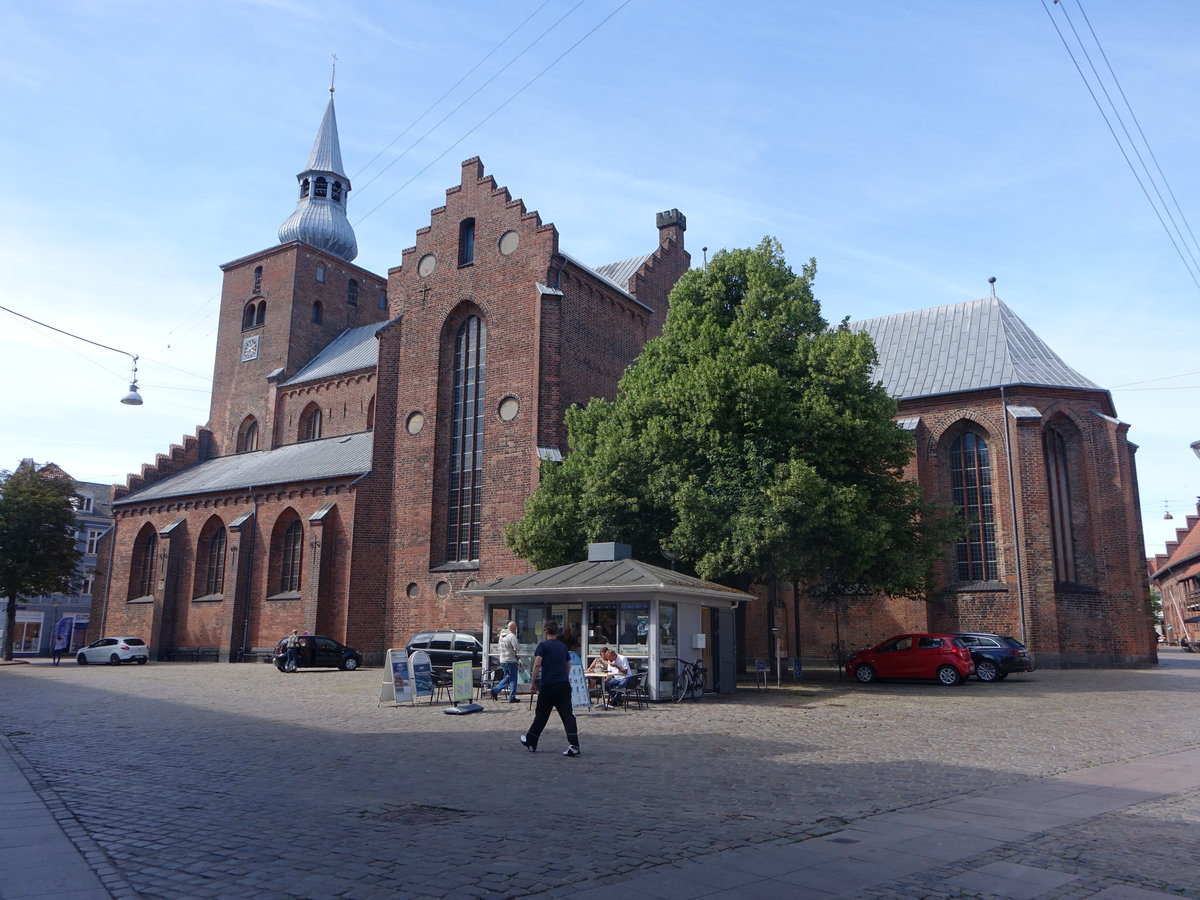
(38, 618)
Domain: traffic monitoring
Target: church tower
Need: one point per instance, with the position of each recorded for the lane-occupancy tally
(281, 306)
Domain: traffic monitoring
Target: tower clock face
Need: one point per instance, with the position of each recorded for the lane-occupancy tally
(250, 348)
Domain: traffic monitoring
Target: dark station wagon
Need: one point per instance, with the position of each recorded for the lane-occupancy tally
(996, 656)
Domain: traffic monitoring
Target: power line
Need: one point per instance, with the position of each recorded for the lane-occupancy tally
(488, 117)
(464, 102)
(1104, 114)
(449, 91)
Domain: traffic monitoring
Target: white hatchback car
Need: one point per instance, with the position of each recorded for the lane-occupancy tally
(115, 650)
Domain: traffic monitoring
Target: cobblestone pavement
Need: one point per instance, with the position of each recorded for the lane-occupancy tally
(211, 780)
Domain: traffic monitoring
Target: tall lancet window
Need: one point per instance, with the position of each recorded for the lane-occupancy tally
(464, 514)
(971, 488)
(1058, 488)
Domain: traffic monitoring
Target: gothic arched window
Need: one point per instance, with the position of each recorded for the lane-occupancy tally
(320, 187)
(337, 192)
(465, 500)
(971, 491)
(303, 188)
(215, 583)
(310, 423)
(145, 563)
(352, 292)
(291, 551)
(248, 316)
(1058, 490)
(258, 279)
(261, 317)
(247, 439)
(316, 312)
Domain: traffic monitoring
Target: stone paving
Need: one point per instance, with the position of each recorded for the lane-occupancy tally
(216, 780)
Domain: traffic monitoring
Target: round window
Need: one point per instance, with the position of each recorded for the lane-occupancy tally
(443, 588)
(509, 407)
(415, 422)
(426, 265)
(509, 241)
(412, 590)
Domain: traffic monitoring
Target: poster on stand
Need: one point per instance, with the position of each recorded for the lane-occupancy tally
(580, 698)
(462, 687)
(396, 686)
(421, 674)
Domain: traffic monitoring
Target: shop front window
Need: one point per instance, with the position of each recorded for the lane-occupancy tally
(27, 635)
(602, 628)
(634, 631)
(668, 648)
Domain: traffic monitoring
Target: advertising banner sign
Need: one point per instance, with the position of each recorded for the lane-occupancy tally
(461, 688)
(396, 685)
(421, 674)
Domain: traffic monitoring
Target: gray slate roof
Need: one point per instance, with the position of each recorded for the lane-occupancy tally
(614, 270)
(335, 457)
(353, 349)
(619, 273)
(963, 347)
(607, 576)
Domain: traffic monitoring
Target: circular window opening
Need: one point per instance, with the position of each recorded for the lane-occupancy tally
(412, 590)
(509, 241)
(443, 588)
(509, 407)
(426, 265)
(415, 422)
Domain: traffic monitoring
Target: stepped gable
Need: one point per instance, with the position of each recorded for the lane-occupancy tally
(1185, 547)
(473, 172)
(196, 448)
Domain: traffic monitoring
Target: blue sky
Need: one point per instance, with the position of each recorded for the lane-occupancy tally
(914, 149)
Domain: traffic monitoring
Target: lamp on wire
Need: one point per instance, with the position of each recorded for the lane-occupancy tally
(133, 398)
(1167, 510)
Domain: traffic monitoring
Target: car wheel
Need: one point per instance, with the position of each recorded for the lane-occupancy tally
(986, 670)
(864, 673)
(81, 659)
(142, 662)
(948, 675)
(115, 660)
(350, 664)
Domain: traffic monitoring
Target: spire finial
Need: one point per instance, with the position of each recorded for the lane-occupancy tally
(333, 74)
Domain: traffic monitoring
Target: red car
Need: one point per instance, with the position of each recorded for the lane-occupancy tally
(940, 656)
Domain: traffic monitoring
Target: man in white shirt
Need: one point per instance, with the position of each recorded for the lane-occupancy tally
(618, 665)
(510, 649)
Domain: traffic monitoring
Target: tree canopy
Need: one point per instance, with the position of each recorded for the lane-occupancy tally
(38, 552)
(749, 441)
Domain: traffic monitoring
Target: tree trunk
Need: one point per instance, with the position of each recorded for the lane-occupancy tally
(10, 626)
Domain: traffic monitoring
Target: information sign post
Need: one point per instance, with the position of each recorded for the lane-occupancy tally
(396, 685)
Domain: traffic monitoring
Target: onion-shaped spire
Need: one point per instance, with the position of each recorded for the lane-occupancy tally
(320, 215)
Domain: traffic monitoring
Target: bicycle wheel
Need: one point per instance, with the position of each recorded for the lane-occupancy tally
(682, 685)
(697, 683)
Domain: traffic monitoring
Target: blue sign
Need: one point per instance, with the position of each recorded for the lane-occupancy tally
(797, 668)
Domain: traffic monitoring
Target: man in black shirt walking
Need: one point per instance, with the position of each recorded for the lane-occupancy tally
(552, 664)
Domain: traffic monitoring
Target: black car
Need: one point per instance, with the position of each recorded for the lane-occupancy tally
(996, 656)
(318, 652)
(445, 648)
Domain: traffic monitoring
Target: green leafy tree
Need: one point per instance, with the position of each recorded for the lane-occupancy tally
(750, 441)
(38, 552)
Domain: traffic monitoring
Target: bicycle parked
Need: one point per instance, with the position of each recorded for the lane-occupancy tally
(689, 682)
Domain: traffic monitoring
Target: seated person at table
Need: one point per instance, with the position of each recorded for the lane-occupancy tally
(619, 666)
(600, 663)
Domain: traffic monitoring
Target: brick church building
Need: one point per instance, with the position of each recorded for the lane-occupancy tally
(370, 437)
